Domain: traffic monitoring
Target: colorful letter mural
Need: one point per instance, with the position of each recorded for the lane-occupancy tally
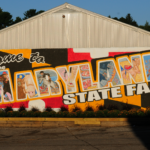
(64, 77)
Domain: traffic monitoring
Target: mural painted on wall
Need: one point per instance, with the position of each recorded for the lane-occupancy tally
(47, 84)
(25, 86)
(107, 74)
(5, 87)
(86, 78)
(64, 77)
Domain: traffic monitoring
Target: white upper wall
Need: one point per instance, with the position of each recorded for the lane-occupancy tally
(79, 29)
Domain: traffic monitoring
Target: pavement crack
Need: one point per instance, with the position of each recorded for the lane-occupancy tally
(82, 140)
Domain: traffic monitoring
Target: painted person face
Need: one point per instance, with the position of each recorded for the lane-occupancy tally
(31, 91)
(5, 76)
(74, 70)
(42, 74)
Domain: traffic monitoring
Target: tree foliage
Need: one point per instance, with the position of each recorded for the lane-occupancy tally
(5, 19)
(1, 10)
(146, 26)
(128, 20)
(17, 20)
(31, 12)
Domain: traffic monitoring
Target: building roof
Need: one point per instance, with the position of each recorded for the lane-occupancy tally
(87, 26)
(66, 7)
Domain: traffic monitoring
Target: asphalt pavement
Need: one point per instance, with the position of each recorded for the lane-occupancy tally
(75, 138)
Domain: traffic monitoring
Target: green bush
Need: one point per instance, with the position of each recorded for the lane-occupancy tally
(141, 113)
(62, 114)
(133, 113)
(147, 113)
(13, 114)
(44, 114)
(31, 114)
(2, 114)
(52, 114)
(88, 114)
(23, 113)
(72, 115)
(106, 112)
(91, 114)
(113, 113)
(123, 114)
(78, 113)
(65, 114)
(100, 113)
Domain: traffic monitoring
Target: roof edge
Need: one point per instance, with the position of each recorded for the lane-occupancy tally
(109, 19)
(67, 5)
(34, 17)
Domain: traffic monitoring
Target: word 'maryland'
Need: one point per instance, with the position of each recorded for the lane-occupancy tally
(68, 79)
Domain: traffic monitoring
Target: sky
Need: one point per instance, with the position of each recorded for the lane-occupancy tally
(139, 9)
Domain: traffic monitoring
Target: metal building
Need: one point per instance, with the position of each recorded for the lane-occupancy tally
(68, 26)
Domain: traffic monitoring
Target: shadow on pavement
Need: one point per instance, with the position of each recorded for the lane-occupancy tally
(140, 127)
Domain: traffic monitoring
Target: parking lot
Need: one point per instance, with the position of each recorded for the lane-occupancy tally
(75, 138)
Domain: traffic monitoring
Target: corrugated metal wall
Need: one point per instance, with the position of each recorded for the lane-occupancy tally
(76, 30)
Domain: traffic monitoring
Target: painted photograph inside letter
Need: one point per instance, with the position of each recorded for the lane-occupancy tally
(5, 89)
(107, 73)
(147, 66)
(128, 70)
(86, 78)
(25, 85)
(47, 79)
(69, 78)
